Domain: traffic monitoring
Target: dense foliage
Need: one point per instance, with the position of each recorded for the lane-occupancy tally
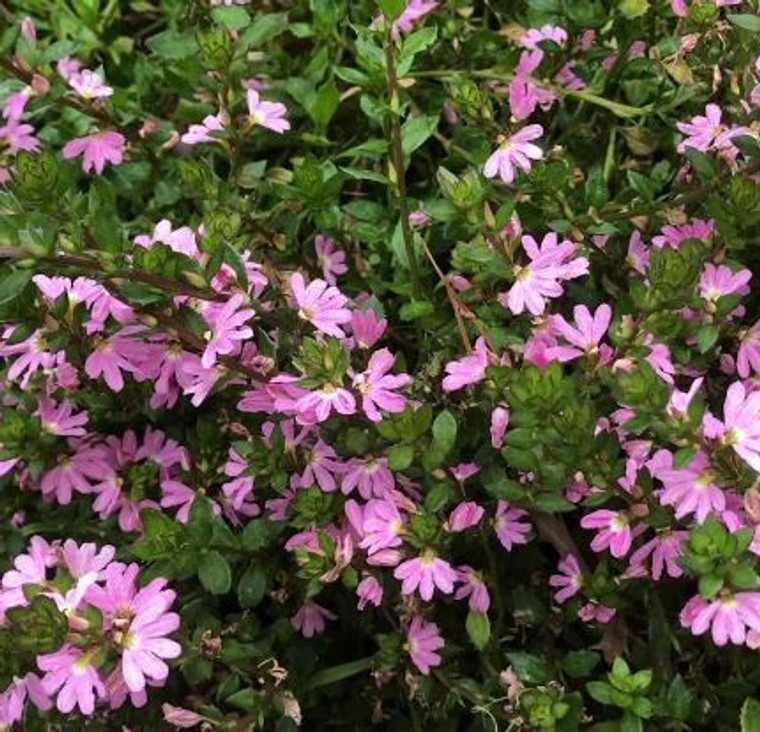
(383, 364)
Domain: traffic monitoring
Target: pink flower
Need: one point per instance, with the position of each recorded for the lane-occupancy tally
(378, 388)
(13, 699)
(692, 489)
(110, 357)
(98, 148)
(418, 217)
(322, 467)
(515, 152)
(371, 476)
(422, 642)
(472, 586)
(702, 131)
(593, 611)
(367, 328)
(70, 674)
(467, 370)
(266, 114)
(58, 419)
(321, 305)
(550, 264)
(584, 337)
(322, 401)
(426, 572)
(672, 236)
(332, 260)
(197, 134)
(382, 525)
(509, 530)
(182, 718)
(464, 516)
(749, 351)
(89, 85)
(16, 136)
(499, 424)
(77, 472)
(728, 616)
(414, 11)
(679, 401)
(310, 619)
(638, 253)
(67, 66)
(664, 550)
(369, 590)
(569, 580)
(722, 281)
(614, 531)
(741, 423)
(227, 329)
(531, 38)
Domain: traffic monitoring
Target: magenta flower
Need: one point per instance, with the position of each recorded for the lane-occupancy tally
(426, 572)
(464, 516)
(569, 580)
(593, 611)
(550, 264)
(741, 423)
(71, 675)
(679, 401)
(86, 561)
(321, 402)
(367, 328)
(77, 473)
(664, 550)
(323, 466)
(638, 253)
(98, 149)
(532, 37)
(702, 131)
(515, 152)
(382, 525)
(414, 11)
(584, 337)
(321, 305)
(13, 698)
(499, 424)
(369, 591)
(197, 134)
(467, 370)
(59, 419)
(508, 527)
(472, 586)
(331, 259)
(110, 357)
(266, 114)
(672, 236)
(16, 136)
(371, 476)
(89, 85)
(721, 281)
(748, 357)
(227, 329)
(378, 388)
(727, 616)
(310, 619)
(422, 642)
(692, 489)
(614, 531)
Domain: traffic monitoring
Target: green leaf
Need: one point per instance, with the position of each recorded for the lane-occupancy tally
(391, 9)
(600, 691)
(400, 457)
(478, 629)
(252, 586)
(747, 22)
(263, 29)
(680, 699)
(416, 131)
(577, 664)
(750, 715)
(13, 283)
(234, 18)
(173, 45)
(552, 503)
(707, 337)
(710, 584)
(325, 104)
(634, 8)
(701, 162)
(214, 573)
(445, 431)
(338, 673)
(631, 723)
(416, 309)
(530, 668)
(420, 40)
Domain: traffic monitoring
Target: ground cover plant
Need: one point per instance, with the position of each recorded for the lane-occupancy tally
(380, 365)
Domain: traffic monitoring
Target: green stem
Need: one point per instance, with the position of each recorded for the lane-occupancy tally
(399, 168)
